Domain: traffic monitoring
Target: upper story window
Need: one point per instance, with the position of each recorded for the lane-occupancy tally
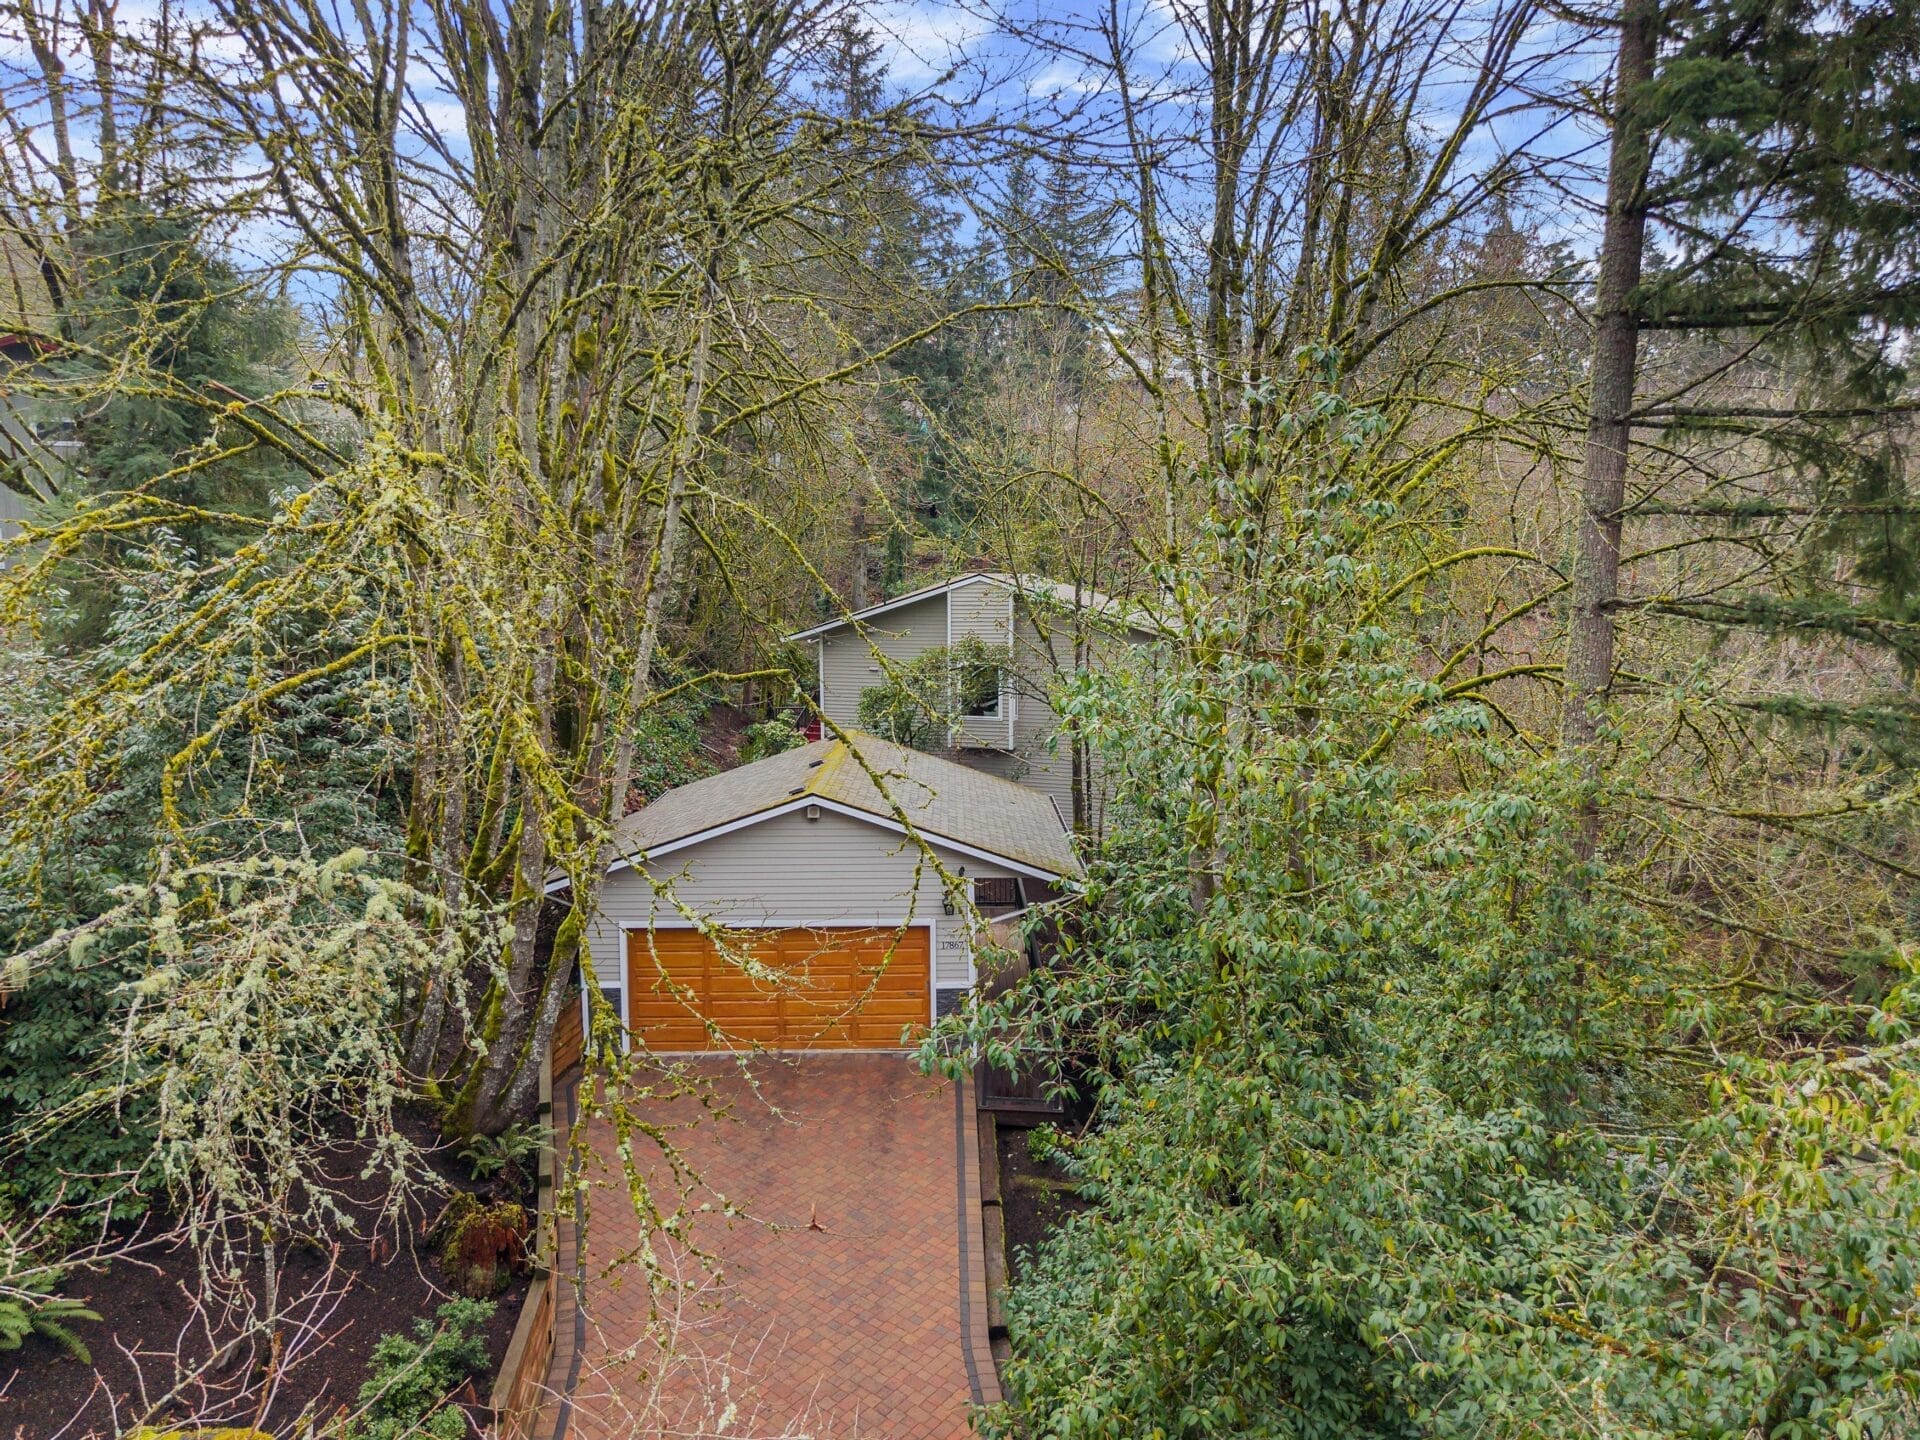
(980, 688)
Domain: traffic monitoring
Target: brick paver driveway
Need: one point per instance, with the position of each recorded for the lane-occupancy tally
(850, 1298)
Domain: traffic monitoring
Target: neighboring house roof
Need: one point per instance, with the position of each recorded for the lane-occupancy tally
(1058, 594)
(951, 804)
(27, 316)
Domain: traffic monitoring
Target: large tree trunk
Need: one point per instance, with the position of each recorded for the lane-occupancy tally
(1616, 350)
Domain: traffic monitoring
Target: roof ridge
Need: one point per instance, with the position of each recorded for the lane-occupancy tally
(972, 772)
(828, 766)
(870, 778)
(933, 589)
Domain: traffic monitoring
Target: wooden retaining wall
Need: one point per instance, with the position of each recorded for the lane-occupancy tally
(568, 1041)
(520, 1389)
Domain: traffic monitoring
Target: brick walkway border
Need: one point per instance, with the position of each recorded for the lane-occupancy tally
(981, 1376)
(570, 1321)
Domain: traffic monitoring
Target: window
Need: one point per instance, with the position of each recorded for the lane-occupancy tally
(611, 994)
(980, 687)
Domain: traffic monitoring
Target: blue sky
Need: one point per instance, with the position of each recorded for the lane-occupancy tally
(1013, 58)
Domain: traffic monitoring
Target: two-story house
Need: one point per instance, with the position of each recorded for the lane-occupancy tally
(831, 897)
(1048, 630)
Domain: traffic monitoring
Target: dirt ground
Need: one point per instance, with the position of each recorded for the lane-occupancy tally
(725, 727)
(377, 1281)
(1033, 1199)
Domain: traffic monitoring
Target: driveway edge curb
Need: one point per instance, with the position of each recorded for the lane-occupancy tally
(974, 1321)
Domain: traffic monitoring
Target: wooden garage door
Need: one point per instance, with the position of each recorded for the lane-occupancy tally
(838, 989)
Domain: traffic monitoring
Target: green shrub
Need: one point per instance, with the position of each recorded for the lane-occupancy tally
(922, 703)
(770, 737)
(669, 748)
(1043, 1144)
(413, 1375)
(1410, 1120)
(61, 1039)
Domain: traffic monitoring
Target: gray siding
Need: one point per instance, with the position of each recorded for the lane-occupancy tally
(792, 871)
(1018, 745)
(1044, 658)
(848, 664)
(984, 610)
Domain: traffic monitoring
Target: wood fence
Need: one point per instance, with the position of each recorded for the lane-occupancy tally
(568, 1040)
(1017, 1097)
(520, 1389)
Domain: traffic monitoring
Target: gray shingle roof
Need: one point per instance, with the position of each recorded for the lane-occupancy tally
(941, 799)
(26, 306)
(1057, 595)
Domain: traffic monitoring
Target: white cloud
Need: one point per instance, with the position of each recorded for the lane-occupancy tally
(922, 39)
(445, 114)
(1062, 78)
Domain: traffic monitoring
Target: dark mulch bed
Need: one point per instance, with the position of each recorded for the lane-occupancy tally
(380, 1282)
(1034, 1198)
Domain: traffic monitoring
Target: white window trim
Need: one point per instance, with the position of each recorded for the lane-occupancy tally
(1004, 707)
(966, 930)
(1012, 701)
(999, 711)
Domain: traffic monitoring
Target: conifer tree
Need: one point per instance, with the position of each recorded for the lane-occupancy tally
(901, 224)
(143, 286)
(1757, 282)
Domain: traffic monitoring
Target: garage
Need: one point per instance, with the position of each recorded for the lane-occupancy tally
(833, 988)
(858, 872)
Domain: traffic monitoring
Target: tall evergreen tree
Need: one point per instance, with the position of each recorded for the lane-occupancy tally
(1056, 241)
(902, 231)
(145, 291)
(1757, 288)
(853, 72)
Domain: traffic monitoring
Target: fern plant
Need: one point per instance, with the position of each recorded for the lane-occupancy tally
(28, 1308)
(509, 1151)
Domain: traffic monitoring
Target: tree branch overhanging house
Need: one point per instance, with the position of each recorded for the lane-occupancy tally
(824, 898)
(1048, 630)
